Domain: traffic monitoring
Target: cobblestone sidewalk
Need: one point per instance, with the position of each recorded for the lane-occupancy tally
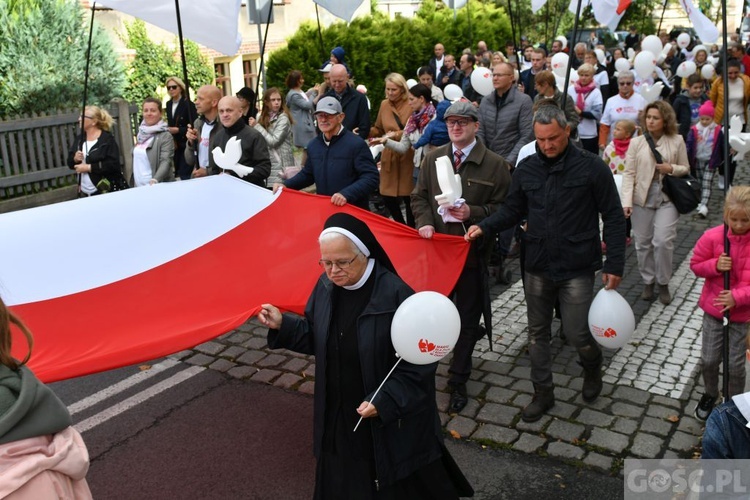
(646, 407)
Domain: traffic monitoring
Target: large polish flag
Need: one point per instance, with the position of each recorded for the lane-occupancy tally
(113, 280)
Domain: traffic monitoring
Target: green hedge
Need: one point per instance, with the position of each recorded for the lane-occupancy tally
(43, 46)
(376, 45)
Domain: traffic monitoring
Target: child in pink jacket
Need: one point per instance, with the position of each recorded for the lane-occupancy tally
(710, 262)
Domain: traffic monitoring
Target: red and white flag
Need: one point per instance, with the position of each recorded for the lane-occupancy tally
(113, 280)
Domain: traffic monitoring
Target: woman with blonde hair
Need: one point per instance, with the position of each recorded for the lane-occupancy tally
(654, 216)
(95, 156)
(275, 125)
(396, 181)
(180, 113)
(42, 455)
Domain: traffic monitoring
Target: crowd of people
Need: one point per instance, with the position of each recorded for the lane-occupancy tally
(536, 163)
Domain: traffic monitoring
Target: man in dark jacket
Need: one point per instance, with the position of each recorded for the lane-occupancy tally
(338, 162)
(254, 164)
(526, 78)
(561, 191)
(485, 178)
(354, 104)
(448, 73)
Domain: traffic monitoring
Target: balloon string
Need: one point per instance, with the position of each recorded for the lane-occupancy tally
(378, 390)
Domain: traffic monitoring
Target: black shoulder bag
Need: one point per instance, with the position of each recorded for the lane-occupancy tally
(685, 192)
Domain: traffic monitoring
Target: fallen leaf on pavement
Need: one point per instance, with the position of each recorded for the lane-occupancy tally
(455, 435)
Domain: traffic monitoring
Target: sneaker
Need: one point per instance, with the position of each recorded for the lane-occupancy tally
(702, 210)
(705, 406)
(721, 182)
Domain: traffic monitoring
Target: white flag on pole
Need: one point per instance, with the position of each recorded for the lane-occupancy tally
(340, 8)
(706, 30)
(212, 24)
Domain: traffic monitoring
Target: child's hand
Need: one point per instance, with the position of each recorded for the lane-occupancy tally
(724, 263)
(725, 299)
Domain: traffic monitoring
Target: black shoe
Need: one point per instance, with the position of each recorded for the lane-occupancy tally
(504, 276)
(705, 406)
(458, 399)
(592, 383)
(543, 400)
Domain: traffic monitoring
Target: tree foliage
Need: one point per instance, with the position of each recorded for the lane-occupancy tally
(43, 58)
(376, 45)
(155, 62)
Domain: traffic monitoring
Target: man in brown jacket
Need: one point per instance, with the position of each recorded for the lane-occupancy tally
(485, 178)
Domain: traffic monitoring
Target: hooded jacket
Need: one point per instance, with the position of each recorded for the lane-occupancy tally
(41, 456)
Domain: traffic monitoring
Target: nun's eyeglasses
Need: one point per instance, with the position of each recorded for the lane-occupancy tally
(341, 264)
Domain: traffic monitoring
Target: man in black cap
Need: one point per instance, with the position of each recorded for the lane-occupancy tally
(347, 327)
(485, 178)
(338, 162)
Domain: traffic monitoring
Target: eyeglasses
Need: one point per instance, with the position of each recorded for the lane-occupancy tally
(171, 87)
(498, 75)
(453, 123)
(624, 84)
(341, 264)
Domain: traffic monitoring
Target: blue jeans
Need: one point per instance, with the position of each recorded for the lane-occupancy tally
(726, 435)
(575, 296)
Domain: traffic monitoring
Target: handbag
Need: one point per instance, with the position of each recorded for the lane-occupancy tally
(685, 192)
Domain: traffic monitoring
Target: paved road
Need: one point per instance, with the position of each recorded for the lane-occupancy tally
(213, 436)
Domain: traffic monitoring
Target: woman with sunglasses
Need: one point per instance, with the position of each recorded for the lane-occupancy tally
(180, 113)
(626, 105)
(95, 155)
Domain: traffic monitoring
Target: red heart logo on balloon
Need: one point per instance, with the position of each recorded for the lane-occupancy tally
(609, 332)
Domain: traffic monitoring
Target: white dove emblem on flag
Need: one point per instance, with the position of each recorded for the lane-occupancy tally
(230, 157)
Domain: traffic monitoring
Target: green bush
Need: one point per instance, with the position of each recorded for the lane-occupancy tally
(376, 45)
(43, 46)
(154, 63)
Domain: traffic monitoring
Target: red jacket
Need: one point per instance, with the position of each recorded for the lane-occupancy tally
(703, 263)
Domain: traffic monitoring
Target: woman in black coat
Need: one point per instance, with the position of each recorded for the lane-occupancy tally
(94, 155)
(180, 113)
(397, 451)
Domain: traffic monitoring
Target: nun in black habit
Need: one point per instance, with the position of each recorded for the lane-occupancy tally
(397, 452)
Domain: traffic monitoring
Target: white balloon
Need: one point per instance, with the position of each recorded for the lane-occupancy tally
(574, 76)
(411, 82)
(600, 56)
(453, 92)
(686, 68)
(622, 64)
(683, 40)
(563, 41)
(611, 320)
(699, 48)
(425, 328)
(560, 63)
(481, 80)
(708, 71)
(631, 53)
(652, 43)
(644, 63)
